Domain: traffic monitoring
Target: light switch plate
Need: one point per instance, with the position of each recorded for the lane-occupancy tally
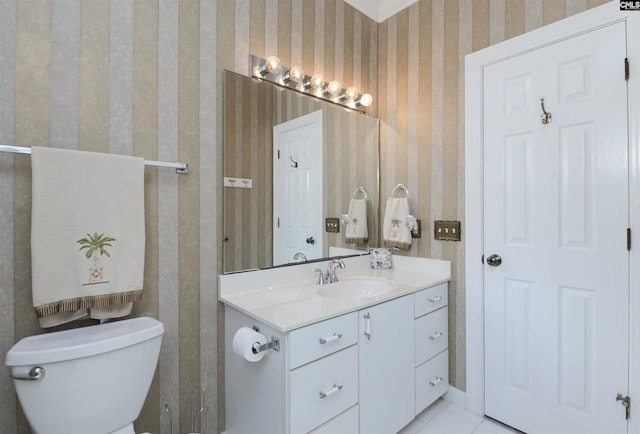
(446, 230)
(332, 224)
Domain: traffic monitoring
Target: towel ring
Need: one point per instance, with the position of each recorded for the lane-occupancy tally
(398, 188)
(354, 195)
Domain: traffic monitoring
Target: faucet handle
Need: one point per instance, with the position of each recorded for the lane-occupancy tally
(321, 276)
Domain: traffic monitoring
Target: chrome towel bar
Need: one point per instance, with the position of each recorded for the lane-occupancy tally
(181, 168)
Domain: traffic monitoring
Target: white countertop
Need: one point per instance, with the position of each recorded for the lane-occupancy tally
(287, 298)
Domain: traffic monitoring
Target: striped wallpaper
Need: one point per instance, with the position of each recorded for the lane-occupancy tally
(145, 78)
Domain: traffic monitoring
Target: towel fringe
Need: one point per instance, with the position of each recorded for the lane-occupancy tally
(398, 244)
(356, 240)
(74, 304)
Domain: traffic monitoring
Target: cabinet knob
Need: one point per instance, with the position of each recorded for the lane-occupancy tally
(435, 381)
(335, 337)
(334, 389)
(367, 326)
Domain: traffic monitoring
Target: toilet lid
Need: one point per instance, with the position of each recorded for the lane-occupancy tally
(82, 342)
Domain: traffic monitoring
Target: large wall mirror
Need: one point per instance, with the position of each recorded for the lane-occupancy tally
(350, 160)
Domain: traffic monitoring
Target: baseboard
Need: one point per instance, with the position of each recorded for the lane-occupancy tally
(456, 396)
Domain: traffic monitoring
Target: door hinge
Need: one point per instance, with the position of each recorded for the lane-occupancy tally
(626, 403)
(278, 221)
(626, 68)
(278, 154)
(629, 239)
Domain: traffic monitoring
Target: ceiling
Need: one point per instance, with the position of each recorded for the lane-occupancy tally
(380, 10)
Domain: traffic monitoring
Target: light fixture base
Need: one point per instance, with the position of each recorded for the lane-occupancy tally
(281, 78)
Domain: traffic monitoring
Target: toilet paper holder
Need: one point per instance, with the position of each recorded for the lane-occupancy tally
(274, 344)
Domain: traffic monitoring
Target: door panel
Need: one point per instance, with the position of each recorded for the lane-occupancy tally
(576, 178)
(518, 185)
(556, 212)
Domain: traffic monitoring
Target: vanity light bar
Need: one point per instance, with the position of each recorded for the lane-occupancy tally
(294, 78)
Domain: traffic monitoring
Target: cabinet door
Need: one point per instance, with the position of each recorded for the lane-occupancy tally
(323, 389)
(387, 370)
(432, 380)
(346, 423)
(431, 335)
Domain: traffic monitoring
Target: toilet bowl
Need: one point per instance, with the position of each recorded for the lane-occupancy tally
(88, 380)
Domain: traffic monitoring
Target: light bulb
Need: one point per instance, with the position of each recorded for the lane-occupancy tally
(334, 88)
(317, 81)
(296, 74)
(272, 64)
(351, 93)
(366, 100)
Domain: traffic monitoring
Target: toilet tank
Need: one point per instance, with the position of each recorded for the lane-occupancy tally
(95, 379)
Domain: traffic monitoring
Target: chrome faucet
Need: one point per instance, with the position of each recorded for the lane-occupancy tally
(300, 255)
(329, 276)
(331, 270)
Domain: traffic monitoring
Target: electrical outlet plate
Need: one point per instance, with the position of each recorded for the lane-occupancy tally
(446, 230)
(332, 225)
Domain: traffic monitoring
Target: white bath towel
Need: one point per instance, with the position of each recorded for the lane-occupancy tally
(87, 234)
(394, 230)
(357, 230)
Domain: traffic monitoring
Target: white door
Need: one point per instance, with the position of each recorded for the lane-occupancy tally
(556, 213)
(297, 188)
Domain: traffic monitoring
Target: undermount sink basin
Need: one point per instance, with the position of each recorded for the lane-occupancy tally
(355, 288)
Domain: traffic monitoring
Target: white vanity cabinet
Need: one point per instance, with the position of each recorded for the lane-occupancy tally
(385, 347)
(342, 366)
(431, 337)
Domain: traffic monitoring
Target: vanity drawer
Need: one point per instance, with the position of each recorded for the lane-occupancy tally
(347, 423)
(431, 335)
(431, 299)
(432, 380)
(323, 389)
(318, 340)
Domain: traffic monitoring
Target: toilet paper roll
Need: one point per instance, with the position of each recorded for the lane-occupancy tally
(244, 342)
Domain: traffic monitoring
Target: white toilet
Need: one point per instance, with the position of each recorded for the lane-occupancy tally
(87, 380)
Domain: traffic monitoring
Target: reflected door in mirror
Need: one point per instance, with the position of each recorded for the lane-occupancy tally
(297, 188)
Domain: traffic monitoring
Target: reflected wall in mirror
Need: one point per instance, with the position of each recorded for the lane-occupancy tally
(350, 160)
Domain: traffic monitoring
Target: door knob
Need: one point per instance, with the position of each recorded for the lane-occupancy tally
(494, 260)
(311, 240)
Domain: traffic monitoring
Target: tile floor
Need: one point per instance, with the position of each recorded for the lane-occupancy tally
(444, 417)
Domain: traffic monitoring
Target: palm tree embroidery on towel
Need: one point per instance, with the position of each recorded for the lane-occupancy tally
(96, 246)
(395, 227)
